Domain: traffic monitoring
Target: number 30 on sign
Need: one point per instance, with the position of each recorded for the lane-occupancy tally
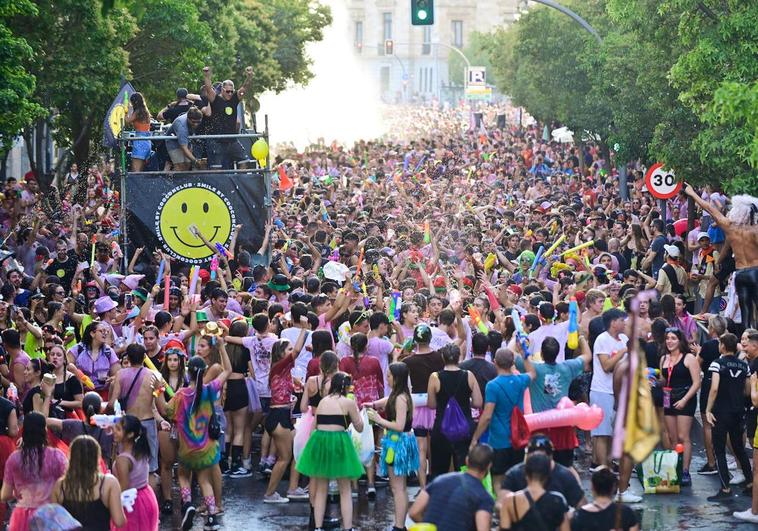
(662, 183)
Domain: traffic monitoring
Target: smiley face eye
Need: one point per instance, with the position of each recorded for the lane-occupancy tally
(184, 208)
(205, 207)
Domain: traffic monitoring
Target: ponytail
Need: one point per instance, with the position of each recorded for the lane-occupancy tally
(358, 344)
(198, 389)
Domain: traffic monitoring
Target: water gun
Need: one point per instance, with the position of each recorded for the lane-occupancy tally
(359, 265)
(115, 234)
(214, 267)
(407, 344)
(12, 392)
(537, 258)
(324, 213)
(573, 337)
(86, 380)
(366, 301)
(224, 251)
(92, 257)
(520, 334)
(104, 421)
(394, 309)
(477, 319)
(161, 269)
(653, 374)
(427, 232)
(128, 497)
(377, 275)
(393, 438)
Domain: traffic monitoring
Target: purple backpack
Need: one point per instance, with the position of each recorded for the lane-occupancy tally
(455, 426)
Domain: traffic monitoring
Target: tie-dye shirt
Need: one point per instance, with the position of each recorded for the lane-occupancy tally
(196, 449)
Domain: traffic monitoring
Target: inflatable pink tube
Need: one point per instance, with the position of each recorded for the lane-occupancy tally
(580, 415)
(680, 226)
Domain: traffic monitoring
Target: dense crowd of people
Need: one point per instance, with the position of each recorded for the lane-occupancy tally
(401, 289)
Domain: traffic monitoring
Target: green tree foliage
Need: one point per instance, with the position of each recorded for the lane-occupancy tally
(16, 84)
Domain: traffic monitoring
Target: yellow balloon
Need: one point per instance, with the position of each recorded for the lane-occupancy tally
(260, 149)
(262, 163)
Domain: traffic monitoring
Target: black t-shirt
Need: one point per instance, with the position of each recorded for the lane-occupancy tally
(483, 370)
(652, 356)
(172, 113)
(68, 389)
(561, 480)
(603, 520)
(732, 373)
(454, 500)
(224, 115)
(28, 402)
(708, 352)
(64, 270)
(6, 406)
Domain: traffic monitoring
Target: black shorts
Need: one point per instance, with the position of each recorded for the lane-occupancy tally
(236, 395)
(506, 458)
(265, 404)
(278, 416)
(728, 266)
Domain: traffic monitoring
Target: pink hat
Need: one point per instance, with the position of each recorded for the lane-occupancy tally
(132, 281)
(104, 304)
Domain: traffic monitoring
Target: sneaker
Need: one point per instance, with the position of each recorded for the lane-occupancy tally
(686, 479)
(371, 493)
(720, 496)
(355, 494)
(240, 472)
(188, 514)
(628, 497)
(333, 489)
(594, 467)
(297, 494)
(746, 515)
(731, 463)
(737, 478)
(707, 470)
(212, 522)
(380, 480)
(168, 507)
(275, 498)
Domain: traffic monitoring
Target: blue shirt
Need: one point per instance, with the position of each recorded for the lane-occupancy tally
(658, 260)
(506, 392)
(454, 500)
(552, 382)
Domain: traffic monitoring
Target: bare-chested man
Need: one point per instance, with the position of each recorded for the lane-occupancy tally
(740, 226)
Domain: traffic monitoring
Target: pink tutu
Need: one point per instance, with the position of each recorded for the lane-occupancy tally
(20, 518)
(423, 417)
(144, 516)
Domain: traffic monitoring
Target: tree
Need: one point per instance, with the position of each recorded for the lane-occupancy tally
(16, 84)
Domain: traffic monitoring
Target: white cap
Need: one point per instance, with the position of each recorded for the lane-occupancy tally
(672, 250)
(701, 235)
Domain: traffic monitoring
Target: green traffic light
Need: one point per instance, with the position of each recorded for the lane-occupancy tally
(421, 14)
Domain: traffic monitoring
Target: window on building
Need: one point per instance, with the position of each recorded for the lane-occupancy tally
(358, 35)
(384, 75)
(426, 46)
(387, 25)
(457, 33)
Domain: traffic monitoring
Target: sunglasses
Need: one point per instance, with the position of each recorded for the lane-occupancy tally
(672, 330)
(228, 91)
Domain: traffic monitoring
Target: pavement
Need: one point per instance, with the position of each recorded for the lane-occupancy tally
(689, 510)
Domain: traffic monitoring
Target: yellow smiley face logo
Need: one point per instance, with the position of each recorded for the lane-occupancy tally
(186, 207)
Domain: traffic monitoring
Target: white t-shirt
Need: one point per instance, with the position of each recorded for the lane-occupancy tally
(301, 362)
(602, 381)
(439, 339)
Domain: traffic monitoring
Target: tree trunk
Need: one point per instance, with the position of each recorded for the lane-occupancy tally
(27, 135)
(80, 148)
(39, 148)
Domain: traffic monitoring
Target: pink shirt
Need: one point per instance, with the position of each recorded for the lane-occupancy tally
(381, 349)
(33, 488)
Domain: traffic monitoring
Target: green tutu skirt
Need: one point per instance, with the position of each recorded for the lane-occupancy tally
(330, 455)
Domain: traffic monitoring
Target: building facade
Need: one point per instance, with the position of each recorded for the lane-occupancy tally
(417, 68)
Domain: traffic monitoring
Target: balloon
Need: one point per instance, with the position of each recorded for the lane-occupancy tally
(680, 226)
(259, 149)
(566, 413)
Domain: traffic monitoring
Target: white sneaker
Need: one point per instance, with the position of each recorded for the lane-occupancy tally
(628, 497)
(275, 498)
(297, 494)
(737, 478)
(731, 463)
(746, 515)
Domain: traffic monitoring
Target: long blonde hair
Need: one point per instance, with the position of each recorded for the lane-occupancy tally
(83, 470)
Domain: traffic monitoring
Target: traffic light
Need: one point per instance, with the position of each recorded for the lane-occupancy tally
(388, 47)
(422, 12)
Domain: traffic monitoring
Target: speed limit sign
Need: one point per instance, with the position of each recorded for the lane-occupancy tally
(662, 183)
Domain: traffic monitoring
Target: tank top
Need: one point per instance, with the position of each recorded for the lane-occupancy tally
(93, 515)
(680, 376)
(139, 472)
(545, 514)
(315, 400)
(453, 383)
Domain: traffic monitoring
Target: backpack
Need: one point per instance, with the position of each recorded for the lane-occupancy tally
(520, 431)
(455, 426)
(670, 271)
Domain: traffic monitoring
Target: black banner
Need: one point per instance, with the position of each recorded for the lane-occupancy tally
(114, 120)
(163, 210)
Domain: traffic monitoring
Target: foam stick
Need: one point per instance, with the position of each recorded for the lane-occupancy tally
(580, 415)
(537, 258)
(477, 319)
(578, 247)
(92, 259)
(427, 232)
(494, 303)
(394, 309)
(223, 250)
(573, 329)
(359, 265)
(150, 365)
(555, 245)
(193, 280)
(214, 267)
(86, 380)
(520, 334)
(166, 286)
(161, 269)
